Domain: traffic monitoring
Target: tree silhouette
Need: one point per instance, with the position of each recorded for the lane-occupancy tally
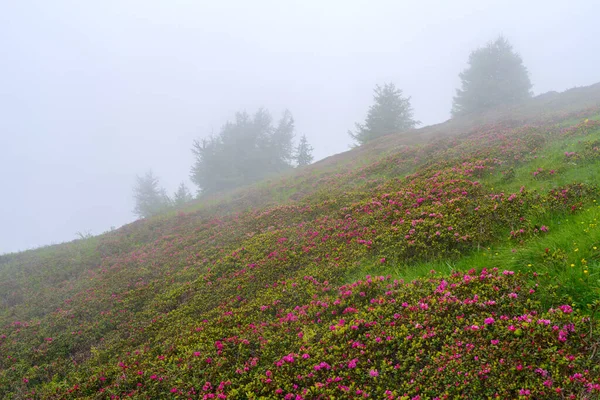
(390, 113)
(304, 152)
(495, 76)
(150, 198)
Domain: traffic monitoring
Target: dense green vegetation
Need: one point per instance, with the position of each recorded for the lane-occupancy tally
(461, 264)
(247, 149)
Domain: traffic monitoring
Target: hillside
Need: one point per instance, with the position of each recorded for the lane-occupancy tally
(460, 260)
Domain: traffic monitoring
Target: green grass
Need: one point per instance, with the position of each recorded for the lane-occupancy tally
(574, 240)
(551, 158)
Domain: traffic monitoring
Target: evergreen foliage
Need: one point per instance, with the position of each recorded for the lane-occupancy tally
(182, 195)
(390, 113)
(495, 76)
(303, 154)
(247, 150)
(150, 198)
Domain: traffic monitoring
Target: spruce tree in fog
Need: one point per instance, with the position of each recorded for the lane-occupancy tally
(280, 146)
(391, 112)
(182, 195)
(247, 149)
(495, 76)
(150, 198)
(303, 154)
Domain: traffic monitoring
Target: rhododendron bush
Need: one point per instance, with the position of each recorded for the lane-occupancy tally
(482, 333)
(265, 294)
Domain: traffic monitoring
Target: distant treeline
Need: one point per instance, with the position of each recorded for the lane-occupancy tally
(251, 147)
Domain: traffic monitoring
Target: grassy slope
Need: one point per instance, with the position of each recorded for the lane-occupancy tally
(262, 292)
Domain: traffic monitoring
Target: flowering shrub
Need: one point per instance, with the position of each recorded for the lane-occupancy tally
(591, 150)
(481, 332)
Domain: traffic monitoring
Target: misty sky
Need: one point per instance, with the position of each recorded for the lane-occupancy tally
(94, 92)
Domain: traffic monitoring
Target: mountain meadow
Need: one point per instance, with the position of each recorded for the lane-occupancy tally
(456, 261)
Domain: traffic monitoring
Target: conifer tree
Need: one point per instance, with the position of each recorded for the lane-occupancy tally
(390, 113)
(495, 76)
(304, 151)
(281, 142)
(182, 195)
(150, 198)
(247, 149)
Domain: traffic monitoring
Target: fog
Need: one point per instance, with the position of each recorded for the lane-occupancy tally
(94, 92)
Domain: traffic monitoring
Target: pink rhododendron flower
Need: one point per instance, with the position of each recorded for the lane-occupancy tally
(567, 309)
